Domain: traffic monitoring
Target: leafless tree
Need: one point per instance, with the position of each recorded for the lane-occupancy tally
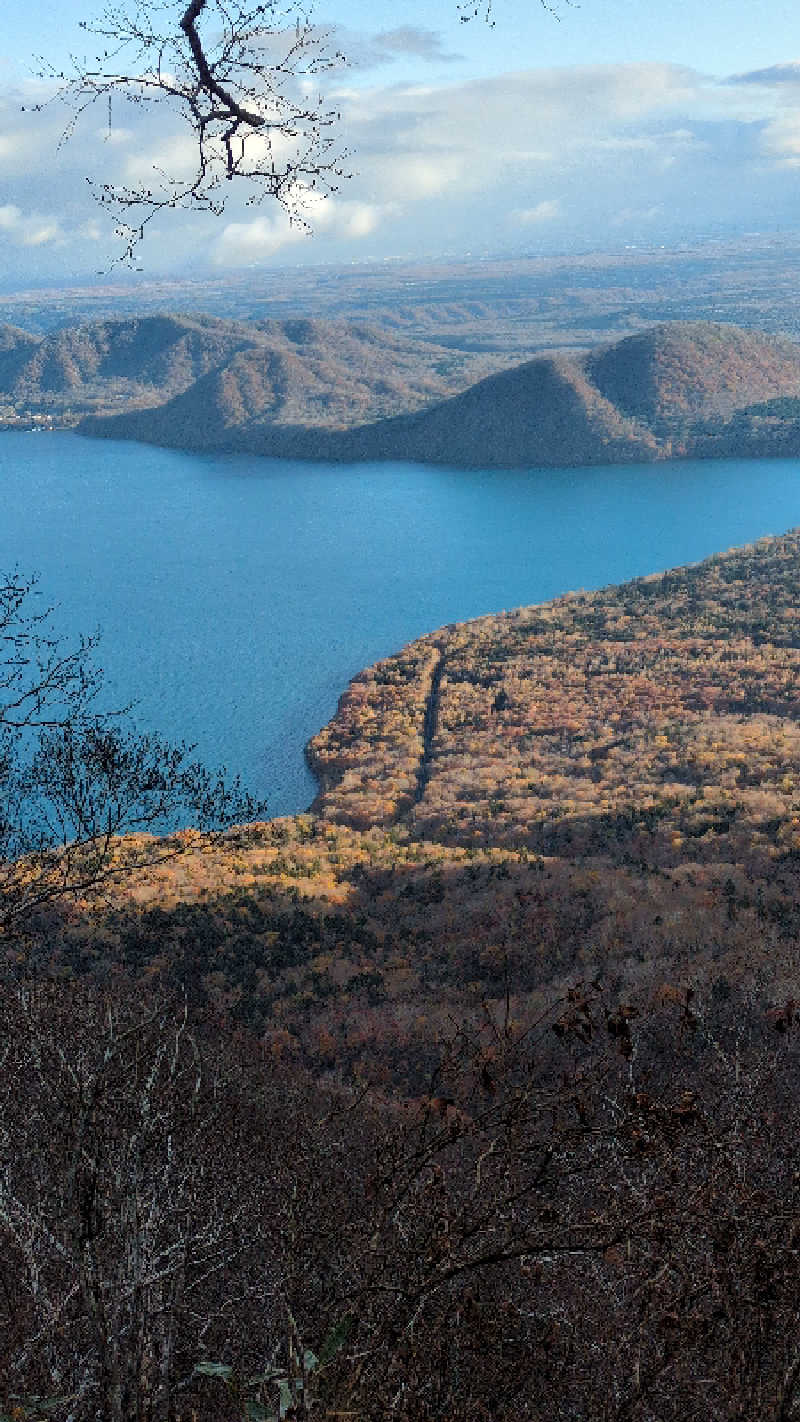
(74, 777)
(100, 1218)
(164, 1192)
(594, 1217)
(242, 77)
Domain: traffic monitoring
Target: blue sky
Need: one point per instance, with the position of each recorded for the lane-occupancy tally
(614, 123)
(719, 36)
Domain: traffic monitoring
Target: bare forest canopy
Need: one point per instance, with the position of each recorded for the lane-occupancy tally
(296, 371)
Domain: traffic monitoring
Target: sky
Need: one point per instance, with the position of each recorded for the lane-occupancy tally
(595, 127)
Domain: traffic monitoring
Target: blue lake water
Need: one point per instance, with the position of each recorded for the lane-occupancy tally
(237, 596)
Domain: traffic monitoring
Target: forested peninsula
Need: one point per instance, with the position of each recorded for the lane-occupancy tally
(473, 1087)
(334, 390)
(608, 783)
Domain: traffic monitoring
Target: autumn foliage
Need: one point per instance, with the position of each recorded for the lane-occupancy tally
(478, 1082)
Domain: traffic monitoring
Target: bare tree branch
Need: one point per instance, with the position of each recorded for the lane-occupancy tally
(238, 75)
(75, 777)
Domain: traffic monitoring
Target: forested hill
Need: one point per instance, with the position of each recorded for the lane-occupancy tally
(608, 783)
(688, 371)
(338, 390)
(658, 718)
(307, 372)
(676, 390)
(114, 364)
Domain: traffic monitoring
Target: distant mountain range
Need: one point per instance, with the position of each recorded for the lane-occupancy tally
(336, 390)
(330, 373)
(114, 363)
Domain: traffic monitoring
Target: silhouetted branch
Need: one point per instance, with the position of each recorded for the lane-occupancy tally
(240, 83)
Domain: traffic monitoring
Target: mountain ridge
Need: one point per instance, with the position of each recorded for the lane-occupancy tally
(347, 391)
(674, 391)
(137, 360)
(297, 371)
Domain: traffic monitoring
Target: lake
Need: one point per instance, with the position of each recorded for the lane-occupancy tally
(237, 596)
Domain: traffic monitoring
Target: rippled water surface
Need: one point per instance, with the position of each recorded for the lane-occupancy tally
(237, 596)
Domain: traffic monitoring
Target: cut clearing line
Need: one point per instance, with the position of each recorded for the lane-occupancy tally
(429, 728)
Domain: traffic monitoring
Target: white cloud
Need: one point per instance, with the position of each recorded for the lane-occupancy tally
(780, 140)
(30, 231)
(349, 219)
(114, 134)
(545, 211)
(634, 216)
(534, 155)
(246, 243)
(175, 157)
(241, 244)
(415, 142)
(361, 52)
(26, 146)
(37, 234)
(788, 73)
(411, 177)
(414, 40)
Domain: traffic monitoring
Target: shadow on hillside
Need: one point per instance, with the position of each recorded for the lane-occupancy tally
(377, 982)
(664, 836)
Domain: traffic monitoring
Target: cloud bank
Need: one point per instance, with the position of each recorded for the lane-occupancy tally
(593, 155)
